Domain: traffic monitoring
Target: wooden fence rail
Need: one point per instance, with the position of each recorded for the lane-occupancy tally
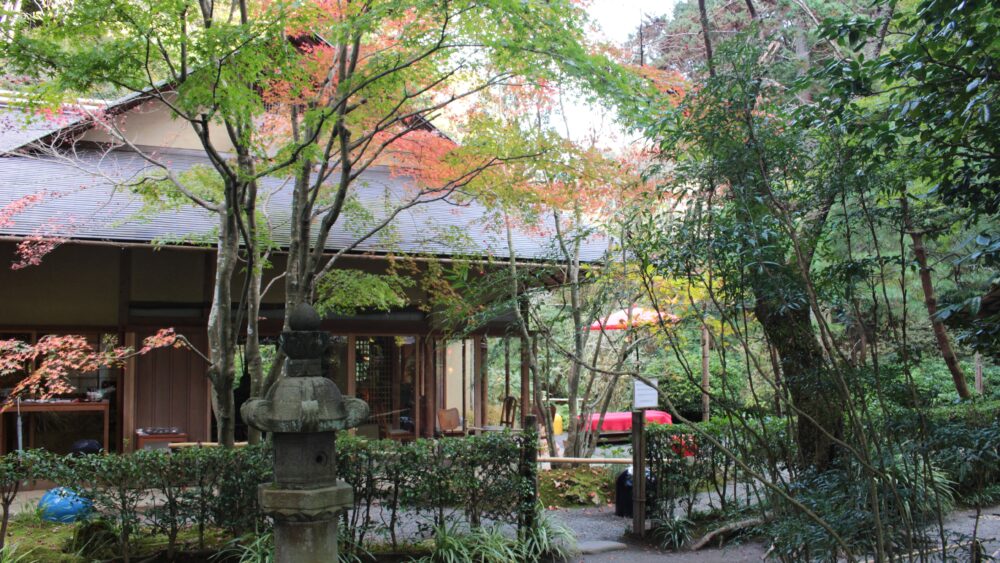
(587, 460)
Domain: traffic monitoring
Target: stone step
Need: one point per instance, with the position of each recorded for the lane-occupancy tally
(592, 547)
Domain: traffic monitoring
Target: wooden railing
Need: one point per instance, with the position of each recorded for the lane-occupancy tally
(587, 460)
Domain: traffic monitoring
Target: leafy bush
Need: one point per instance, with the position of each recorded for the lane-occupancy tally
(897, 503)
(14, 469)
(472, 479)
(117, 485)
(545, 542)
(468, 482)
(962, 440)
(675, 467)
(240, 472)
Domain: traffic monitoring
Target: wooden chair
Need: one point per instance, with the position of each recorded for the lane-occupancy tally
(397, 434)
(450, 422)
(508, 413)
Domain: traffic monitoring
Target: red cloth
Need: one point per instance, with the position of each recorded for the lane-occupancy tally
(622, 421)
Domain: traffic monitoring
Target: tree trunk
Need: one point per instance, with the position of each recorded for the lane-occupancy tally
(706, 34)
(705, 379)
(254, 362)
(221, 343)
(779, 393)
(224, 405)
(930, 301)
(570, 249)
(805, 376)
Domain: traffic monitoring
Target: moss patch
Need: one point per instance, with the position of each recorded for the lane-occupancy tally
(579, 486)
(39, 540)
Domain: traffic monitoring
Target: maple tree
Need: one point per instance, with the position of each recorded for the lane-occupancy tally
(374, 96)
(316, 91)
(206, 66)
(569, 201)
(49, 362)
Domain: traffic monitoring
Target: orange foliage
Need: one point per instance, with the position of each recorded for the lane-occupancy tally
(668, 82)
(54, 358)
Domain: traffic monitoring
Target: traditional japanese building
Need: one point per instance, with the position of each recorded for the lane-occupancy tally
(123, 271)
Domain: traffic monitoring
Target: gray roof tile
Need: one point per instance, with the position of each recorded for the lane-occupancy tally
(83, 202)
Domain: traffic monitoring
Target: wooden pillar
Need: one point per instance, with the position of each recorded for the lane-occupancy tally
(465, 388)
(124, 306)
(128, 397)
(638, 474)
(352, 366)
(418, 386)
(506, 367)
(525, 381)
(430, 386)
(481, 347)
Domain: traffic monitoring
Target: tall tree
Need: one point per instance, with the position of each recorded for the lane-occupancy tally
(206, 65)
(381, 73)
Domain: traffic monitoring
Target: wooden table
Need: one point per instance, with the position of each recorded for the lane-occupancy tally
(102, 407)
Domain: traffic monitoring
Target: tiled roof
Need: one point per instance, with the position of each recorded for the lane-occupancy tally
(17, 129)
(84, 198)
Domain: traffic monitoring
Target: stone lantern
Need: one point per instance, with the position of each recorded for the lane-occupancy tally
(303, 411)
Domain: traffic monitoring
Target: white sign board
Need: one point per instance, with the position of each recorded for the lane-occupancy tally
(644, 396)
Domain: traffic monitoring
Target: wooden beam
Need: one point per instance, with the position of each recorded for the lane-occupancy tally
(587, 460)
(182, 445)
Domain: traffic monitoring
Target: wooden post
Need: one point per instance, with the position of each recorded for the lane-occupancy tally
(352, 366)
(638, 474)
(127, 391)
(529, 472)
(430, 388)
(979, 373)
(465, 390)
(506, 367)
(482, 349)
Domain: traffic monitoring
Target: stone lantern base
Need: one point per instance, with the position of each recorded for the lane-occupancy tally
(305, 520)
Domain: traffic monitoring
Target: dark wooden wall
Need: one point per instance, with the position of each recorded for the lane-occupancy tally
(171, 389)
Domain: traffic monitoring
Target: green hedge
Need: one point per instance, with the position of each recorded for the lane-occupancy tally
(402, 491)
(433, 483)
(683, 462)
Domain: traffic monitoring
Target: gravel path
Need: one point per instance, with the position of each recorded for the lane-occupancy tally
(600, 523)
